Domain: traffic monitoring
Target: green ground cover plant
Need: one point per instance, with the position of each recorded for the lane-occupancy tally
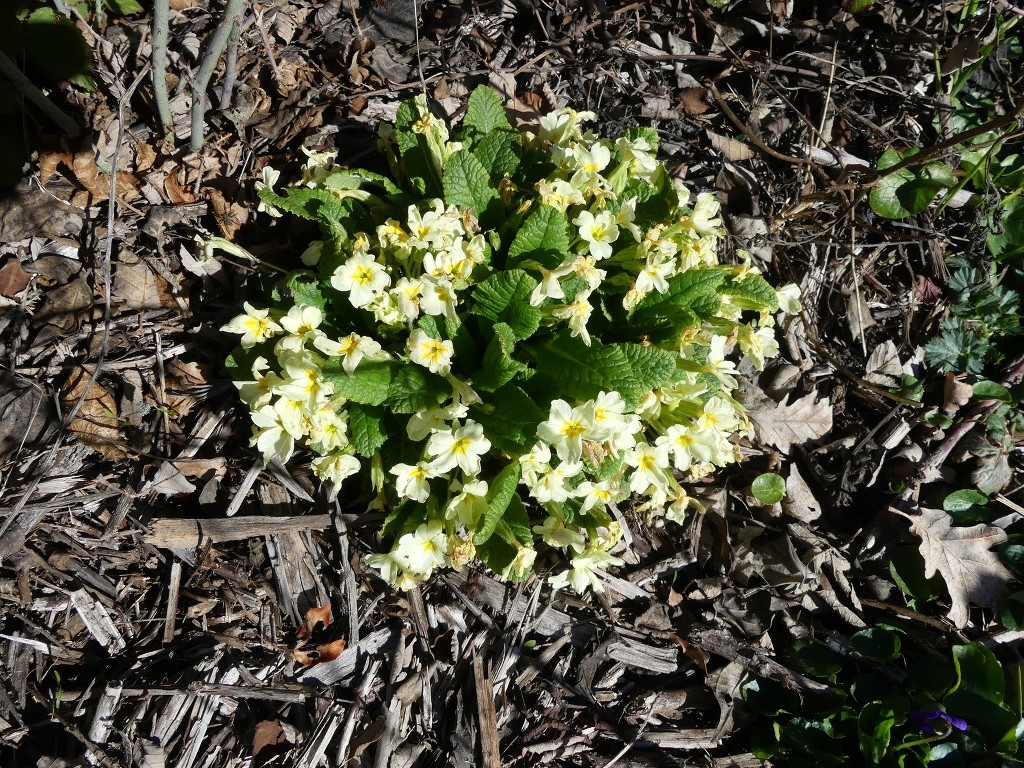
(499, 343)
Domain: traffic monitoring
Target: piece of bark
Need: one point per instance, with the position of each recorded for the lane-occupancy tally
(186, 533)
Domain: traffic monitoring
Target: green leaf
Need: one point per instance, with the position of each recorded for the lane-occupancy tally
(877, 643)
(1011, 611)
(306, 291)
(768, 488)
(306, 203)
(692, 297)
(499, 494)
(580, 372)
(509, 418)
(963, 500)
(518, 521)
(496, 553)
(856, 6)
(1011, 552)
(125, 7)
(990, 390)
(499, 152)
(499, 367)
(365, 429)
(874, 730)
(544, 238)
(910, 190)
(467, 184)
(505, 297)
(413, 388)
(752, 292)
(978, 671)
(369, 384)
(1006, 240)
(484, 114)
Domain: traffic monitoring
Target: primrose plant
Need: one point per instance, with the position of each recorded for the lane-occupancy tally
(511, 335)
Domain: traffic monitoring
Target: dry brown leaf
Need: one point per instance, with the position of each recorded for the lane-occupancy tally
(799, 501)
(883, 366)
(177, 193)
(137, 287)
(695, 101)
(318, 615)
(323, 653)
(965, 560)
(269, 741)
(732, 149)
(956, 393)
(26, 417)
(169, 481)
(787, 424)
(95, 424)
(229, 216)
(13, 279)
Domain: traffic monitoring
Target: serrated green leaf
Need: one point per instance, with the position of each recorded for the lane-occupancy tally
(768, 488)
(467, 184)
(752, 292)
(306, 291)
(499, 152)
(484, 113)
(366, 429)
(413, 389)
(369, 384)
(579, 372)
(509, 418)
(498, 366)
(305, 203)
(544, 238)
(499, 494)
(692, 296)
(505, 297)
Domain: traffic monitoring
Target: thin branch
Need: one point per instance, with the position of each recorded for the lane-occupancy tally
(25, 87)
(230, 67)
(217, 44)
(161, 27)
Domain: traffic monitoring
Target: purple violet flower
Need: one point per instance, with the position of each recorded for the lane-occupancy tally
(923, 718)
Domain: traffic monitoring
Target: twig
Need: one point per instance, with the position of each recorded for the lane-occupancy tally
(230, 67)
(11, 544)
(161, 28)
(217, 44)
(25, 87)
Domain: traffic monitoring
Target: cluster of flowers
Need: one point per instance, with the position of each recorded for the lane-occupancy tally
(422, 261)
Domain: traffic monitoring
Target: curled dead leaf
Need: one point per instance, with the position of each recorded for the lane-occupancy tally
(328, 652)
(13, 279)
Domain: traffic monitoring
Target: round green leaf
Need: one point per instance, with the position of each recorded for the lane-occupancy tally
(768, 488)
(963, 500)
(877, 643)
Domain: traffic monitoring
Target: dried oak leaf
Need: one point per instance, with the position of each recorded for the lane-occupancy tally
(964, 558)
(95, 424)
(323, 653)
(787, 424)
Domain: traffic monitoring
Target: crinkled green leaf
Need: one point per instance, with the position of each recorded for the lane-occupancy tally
(414, 388)
(752, 292)
(306, 291)
(505, 297)
(484, 113)
(498, 366)
(499, 152)
(518, 521)
(366, 429)
(692, 296)
(369, 384)
(467, 184)
(509, 418)
(499, 494)
(578, 372)
(544, 238)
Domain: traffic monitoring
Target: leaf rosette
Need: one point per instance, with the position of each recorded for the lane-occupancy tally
(498, 344)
